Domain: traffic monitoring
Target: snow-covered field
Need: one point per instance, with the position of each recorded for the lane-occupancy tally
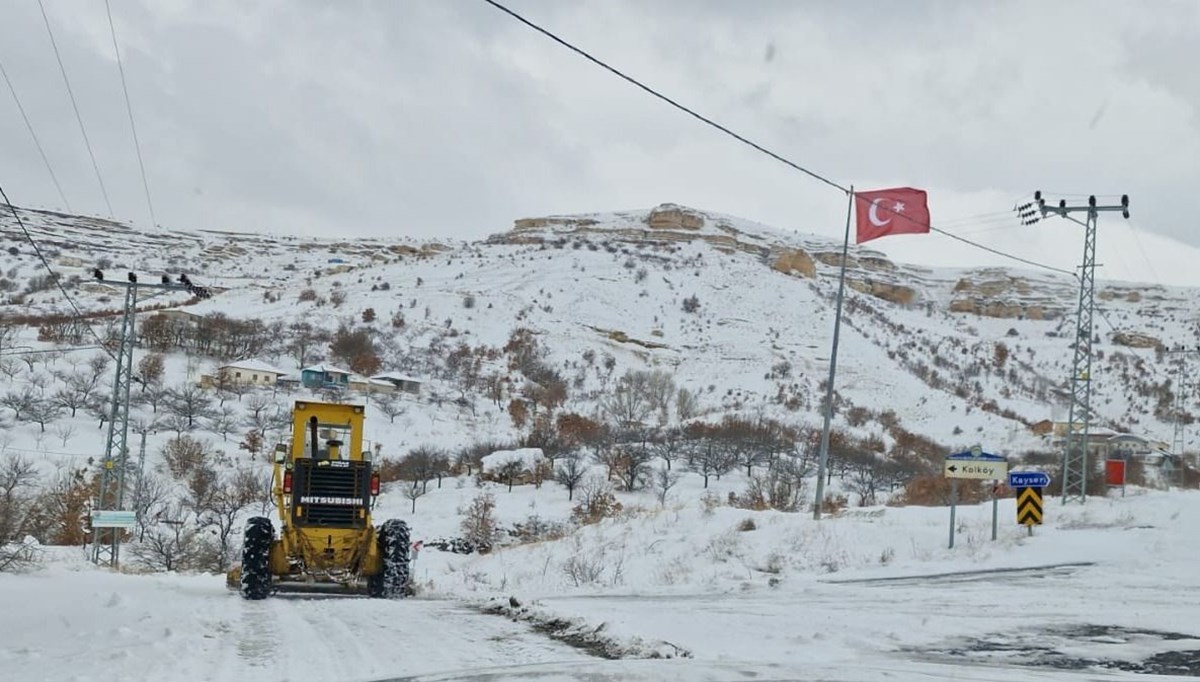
(873, 594)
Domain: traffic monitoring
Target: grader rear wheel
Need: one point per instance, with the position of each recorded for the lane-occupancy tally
(392, 581)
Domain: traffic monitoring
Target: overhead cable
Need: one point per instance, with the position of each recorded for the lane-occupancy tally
(129, 108)
(36, 142)
(78, 117)
(744, 140)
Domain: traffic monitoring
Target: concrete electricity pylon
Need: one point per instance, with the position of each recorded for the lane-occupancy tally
(1075, 452)
(106, 542)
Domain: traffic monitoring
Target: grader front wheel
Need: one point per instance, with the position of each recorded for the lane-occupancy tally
(256, 553)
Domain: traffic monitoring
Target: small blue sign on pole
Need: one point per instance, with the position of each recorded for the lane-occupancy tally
(1028, 479)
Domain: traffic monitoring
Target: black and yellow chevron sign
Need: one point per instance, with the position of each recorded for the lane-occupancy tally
(1029, 506)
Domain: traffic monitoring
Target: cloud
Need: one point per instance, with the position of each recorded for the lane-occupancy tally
(435, 119)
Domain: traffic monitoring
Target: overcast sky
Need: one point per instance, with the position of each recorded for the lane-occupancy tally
(432, 118)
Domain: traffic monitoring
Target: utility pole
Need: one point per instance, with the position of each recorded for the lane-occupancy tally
(1180, 392)
(1075, 453)
(106, 542)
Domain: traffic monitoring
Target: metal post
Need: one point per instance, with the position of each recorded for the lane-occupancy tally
(111, 496)
(1075, 467)
(953, 502)
(139, 487)
(995, 512)
(1177, 441)
(823, 457)
(112, 480)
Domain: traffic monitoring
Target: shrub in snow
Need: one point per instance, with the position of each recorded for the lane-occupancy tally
(183, 455)
(537, 529)
(523, 465)
(597, 502)
(19, 556)
(479, 522)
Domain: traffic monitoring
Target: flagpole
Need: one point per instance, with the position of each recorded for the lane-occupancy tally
(823, 458)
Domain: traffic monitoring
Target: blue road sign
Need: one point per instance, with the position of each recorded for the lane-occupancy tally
(1028, 479)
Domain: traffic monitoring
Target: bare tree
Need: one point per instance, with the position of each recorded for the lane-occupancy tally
(40, 381)
(99, 407)
(190, 402)
(83, 384)
(686, 404)
(570, 471)
(510, 470)
(304, 341)
(97, 366)
(223, 420)
(668, 446)
(10, 369)
(634, 455)
(17, 476)
(170, 542)
(217, 501)
(148, 497)
(866, 474)
(422, 464)
(9, 331)
(152, 395)
(664, 480)
(628, 404)
(660, 389)
(64, 432)
(258, 405)
(706, 455)
(175, 422)
(389, 405)
(19, 401)
(42, 412)
(69, 399)
(32, 361)
(413, 492)
(150, 370)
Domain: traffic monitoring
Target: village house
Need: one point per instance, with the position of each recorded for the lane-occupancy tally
(402, 382)
(325, 377)
(252, 372)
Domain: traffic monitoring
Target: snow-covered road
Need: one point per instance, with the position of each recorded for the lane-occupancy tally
(1105, 594)
(97, 626)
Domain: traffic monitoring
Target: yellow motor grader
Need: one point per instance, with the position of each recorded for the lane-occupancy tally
(324, 488)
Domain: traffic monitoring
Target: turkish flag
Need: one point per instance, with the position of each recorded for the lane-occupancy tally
(901, 210)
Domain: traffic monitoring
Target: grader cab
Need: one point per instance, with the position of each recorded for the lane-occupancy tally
(324, 488)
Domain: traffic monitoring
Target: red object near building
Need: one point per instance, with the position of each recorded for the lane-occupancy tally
(1114, 471)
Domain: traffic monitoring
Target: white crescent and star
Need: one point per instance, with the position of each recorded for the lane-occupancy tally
(873, 216)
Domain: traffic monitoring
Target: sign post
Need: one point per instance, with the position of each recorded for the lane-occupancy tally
(974, 464)
(995, 509)
(1028, 485)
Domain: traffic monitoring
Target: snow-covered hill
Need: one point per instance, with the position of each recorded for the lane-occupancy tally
(922, 343)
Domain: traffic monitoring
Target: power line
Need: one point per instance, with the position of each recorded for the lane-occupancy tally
(1137, 240)
(53, 275)
(37, 143)
(63, 69)
(711, 123)
(129, 108)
